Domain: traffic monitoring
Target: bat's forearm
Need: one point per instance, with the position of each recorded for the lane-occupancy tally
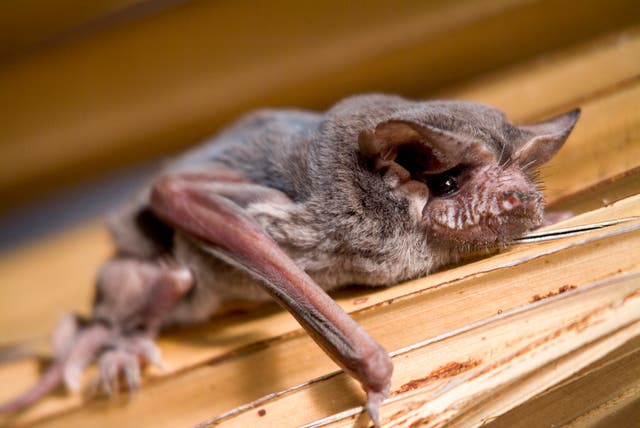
(225, 228)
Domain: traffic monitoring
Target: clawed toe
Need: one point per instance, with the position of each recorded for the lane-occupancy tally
(146, 350)
(123, 361)
(116, 363)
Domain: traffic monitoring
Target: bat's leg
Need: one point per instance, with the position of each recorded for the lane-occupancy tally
(194, 206)
(133, 297)
(72, 338)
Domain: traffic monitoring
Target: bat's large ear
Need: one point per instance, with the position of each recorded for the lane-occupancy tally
(544, 139)
(425, 148)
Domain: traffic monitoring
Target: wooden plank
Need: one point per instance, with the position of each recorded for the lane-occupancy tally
(289, 360)
(82, 106)
(610, 382)
(601, 194)
(517, 365)
(624, 411)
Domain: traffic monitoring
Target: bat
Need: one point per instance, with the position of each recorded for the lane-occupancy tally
(290, 204)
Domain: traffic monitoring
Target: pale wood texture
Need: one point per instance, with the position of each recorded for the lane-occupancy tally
(148, 86)
(602, 193)
(466, 323)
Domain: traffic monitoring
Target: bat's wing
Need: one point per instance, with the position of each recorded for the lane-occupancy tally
(210, 210)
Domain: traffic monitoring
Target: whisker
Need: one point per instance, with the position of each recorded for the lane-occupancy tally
(528, 165)
(501, 156)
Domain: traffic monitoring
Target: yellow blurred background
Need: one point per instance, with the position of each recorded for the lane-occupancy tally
(92, 87)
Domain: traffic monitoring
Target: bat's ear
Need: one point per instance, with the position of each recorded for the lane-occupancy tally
(430, 149)
(544, 139)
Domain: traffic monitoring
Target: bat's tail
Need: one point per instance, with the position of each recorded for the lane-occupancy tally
(51, 379)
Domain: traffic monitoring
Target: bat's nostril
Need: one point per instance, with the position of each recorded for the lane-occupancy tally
(511, 200)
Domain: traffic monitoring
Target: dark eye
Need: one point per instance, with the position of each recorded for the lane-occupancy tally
(443, 184)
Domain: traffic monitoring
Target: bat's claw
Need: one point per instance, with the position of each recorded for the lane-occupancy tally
(71, 376)
(374, 399)
(124, 361)
(115, 363)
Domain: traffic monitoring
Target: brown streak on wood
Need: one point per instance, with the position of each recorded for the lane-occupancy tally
(406, 410)
(563, 289)
(451, 369)
(421, 422)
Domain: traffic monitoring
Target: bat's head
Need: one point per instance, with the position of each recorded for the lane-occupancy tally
(468, 174)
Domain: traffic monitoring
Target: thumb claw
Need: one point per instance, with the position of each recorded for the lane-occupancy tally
(155, 358)
(71, 378)
(374, 399)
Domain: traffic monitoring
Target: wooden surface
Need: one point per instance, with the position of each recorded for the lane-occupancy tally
(147, 86)
(455, 327)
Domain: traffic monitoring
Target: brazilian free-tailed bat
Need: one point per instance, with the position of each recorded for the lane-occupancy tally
(289, 204)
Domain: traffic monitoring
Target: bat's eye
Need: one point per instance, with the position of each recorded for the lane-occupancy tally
(443, 184)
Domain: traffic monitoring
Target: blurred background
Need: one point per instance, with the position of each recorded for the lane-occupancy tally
(94, 93)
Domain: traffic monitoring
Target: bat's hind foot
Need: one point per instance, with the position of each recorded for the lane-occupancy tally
(119, 355)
